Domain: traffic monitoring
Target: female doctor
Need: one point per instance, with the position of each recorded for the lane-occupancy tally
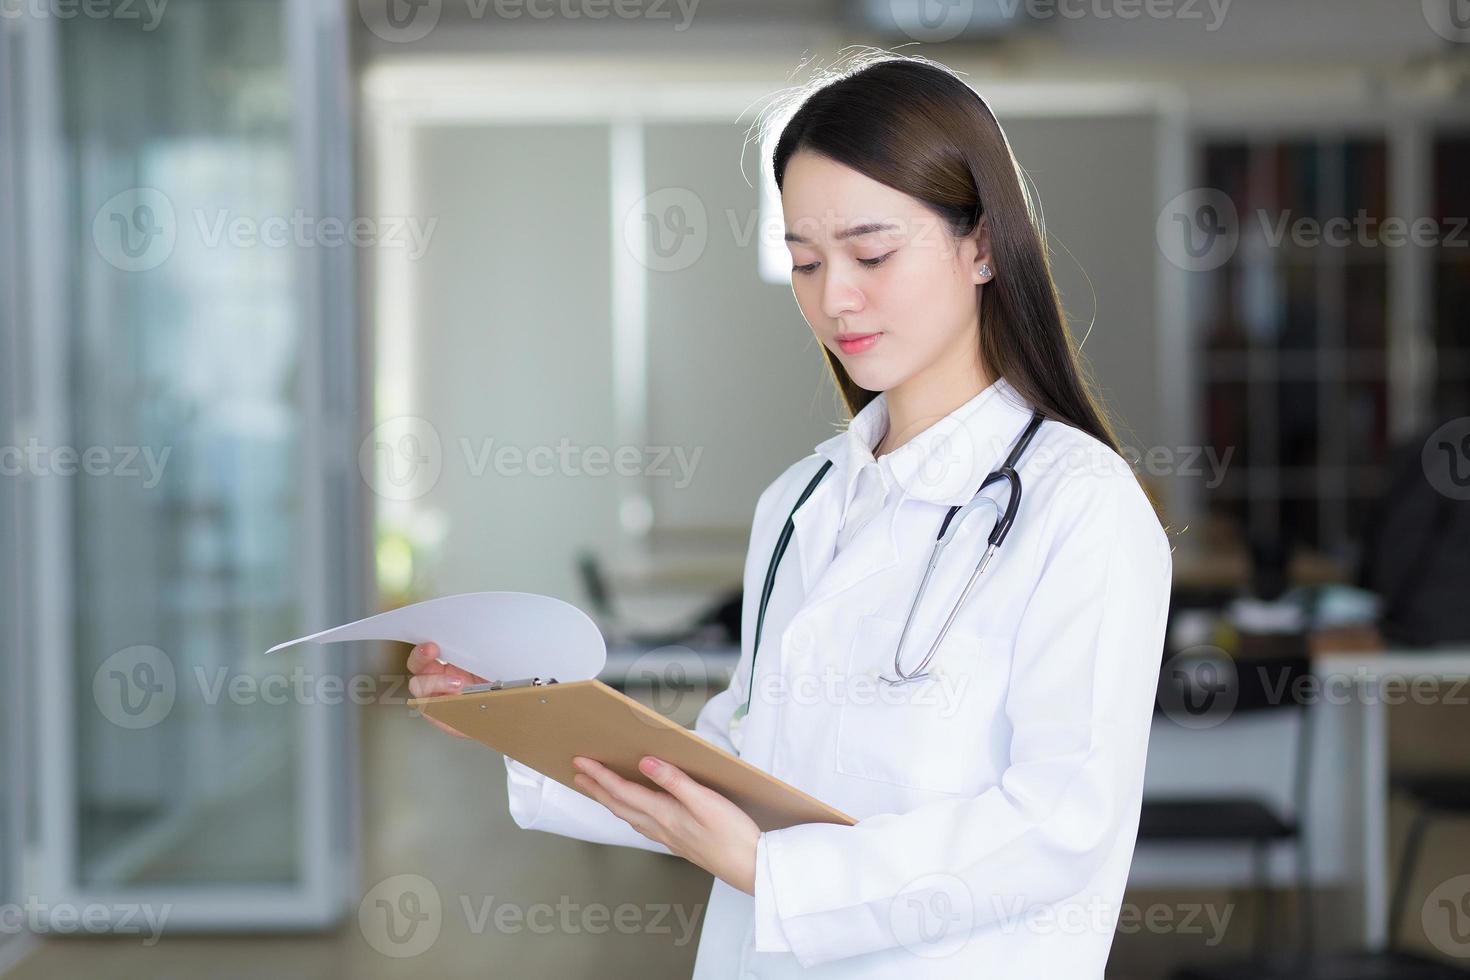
(995, 768)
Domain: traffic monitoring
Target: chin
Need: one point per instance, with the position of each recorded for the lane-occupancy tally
(869, 377)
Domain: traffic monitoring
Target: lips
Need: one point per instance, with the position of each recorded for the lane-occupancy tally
(856, 343)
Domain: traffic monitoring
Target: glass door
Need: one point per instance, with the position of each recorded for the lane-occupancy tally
(13, 703)
(189, 341)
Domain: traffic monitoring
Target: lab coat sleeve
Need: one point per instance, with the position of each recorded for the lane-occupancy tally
(538, 802)
(541, 803)
(715, 716)
(713, 723)
(1084, 673)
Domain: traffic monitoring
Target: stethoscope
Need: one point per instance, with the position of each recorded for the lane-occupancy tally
(947, 530)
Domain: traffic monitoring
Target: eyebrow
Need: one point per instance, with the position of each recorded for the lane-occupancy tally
(853, 232)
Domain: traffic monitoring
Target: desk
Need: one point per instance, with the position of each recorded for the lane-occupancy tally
(671, 664)
(1380, 681)
(1347, 819)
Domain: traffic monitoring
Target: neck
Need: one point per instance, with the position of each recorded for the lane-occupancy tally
(929, 396)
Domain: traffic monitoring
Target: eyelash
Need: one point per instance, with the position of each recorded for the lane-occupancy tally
(870, 263)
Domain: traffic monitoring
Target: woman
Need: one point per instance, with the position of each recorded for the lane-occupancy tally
(997, 796)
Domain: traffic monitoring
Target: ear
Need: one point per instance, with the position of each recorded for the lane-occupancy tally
(982, 268)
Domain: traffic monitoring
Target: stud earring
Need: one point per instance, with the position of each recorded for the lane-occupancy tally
(985, 272)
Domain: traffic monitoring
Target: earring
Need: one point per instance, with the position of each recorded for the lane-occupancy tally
(985, 272)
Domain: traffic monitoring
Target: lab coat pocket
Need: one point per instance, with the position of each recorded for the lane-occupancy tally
(937, 734)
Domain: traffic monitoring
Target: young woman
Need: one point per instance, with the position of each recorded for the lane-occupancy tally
(995, 767)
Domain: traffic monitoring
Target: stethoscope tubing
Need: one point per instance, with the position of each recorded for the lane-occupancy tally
(1006, 472)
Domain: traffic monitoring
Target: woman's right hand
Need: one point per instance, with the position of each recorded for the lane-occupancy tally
(432, 678)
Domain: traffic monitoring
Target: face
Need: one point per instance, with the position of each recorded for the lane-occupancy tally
(878, 276)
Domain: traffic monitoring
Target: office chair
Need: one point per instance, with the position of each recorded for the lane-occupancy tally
(720, 618)
(1255, 686)
(1235, 819)
(1437, 796)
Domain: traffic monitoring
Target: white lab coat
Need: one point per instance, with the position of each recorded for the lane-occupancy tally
(997, 802)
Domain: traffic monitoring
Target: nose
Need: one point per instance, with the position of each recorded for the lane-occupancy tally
(840, 296)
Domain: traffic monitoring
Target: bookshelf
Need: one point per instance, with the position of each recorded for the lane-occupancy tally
(1301, 336)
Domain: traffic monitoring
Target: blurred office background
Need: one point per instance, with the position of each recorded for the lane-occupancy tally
(309, 309)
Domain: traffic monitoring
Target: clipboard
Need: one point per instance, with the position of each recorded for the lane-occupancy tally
(543, 724)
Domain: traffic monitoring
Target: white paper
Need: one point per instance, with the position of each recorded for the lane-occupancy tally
(497, 635)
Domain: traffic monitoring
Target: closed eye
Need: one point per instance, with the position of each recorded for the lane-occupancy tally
(811, 267)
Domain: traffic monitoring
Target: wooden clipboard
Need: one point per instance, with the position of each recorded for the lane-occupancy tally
(545, 725)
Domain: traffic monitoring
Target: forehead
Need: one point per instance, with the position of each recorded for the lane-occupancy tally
(821, 198)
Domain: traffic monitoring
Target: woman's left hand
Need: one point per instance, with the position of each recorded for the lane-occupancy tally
(690, 819)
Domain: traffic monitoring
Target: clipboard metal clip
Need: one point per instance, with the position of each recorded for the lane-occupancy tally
(501, 685)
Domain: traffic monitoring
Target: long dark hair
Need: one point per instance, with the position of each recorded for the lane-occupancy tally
(915, 126)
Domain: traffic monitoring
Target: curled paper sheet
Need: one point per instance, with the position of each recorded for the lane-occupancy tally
(497, 635)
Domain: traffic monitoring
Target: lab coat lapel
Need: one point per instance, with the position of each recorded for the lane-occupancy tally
(943, 465)
(872, 550)
(815, 530)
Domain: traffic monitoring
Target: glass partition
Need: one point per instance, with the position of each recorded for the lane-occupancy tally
(191, 349)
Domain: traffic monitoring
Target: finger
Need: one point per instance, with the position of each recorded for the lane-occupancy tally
(420, 662)
(650, 801)
(594, 789)
(456, 673)
(676, 782)
(632, 816)
(462, 674)
(424, 659)
(433, 685)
